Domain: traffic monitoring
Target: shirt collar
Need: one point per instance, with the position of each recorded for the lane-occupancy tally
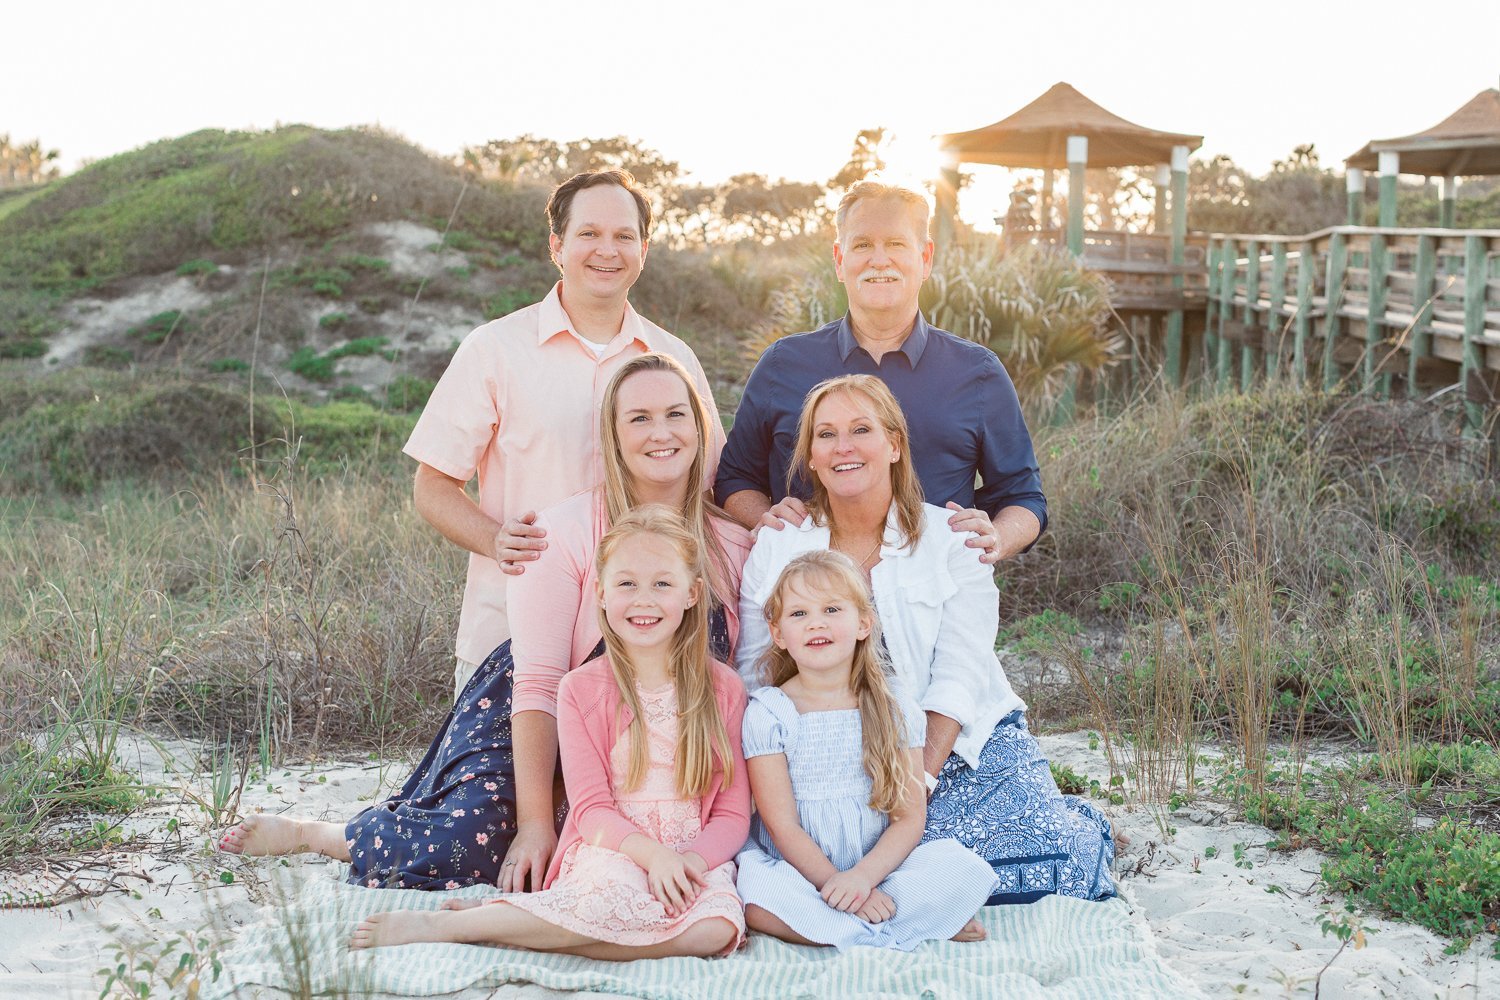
(553, 320)
(890, 541)
(913, 346)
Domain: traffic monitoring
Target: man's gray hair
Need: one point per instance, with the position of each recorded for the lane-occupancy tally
(867, 190)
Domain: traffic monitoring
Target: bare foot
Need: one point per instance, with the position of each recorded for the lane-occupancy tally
(263, 835)
(973, 931)
(1121, 842)
(461, 904)
(381, 930)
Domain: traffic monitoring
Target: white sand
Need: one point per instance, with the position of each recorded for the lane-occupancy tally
(1220, 925)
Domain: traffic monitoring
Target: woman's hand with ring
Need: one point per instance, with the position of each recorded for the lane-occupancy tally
(528, 857)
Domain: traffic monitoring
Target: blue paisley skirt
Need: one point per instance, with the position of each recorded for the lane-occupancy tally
(1037, 840)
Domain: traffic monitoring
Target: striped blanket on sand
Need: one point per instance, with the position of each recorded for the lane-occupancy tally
(1054, 948)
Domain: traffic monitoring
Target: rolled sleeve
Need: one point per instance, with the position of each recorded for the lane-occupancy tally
(755, 632)
(1007, 461)
(963, 659)
(745, 463)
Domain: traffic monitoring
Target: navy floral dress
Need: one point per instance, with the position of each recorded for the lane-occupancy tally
(454, 819)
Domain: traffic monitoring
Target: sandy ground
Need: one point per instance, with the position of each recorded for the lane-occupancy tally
(1246, 926)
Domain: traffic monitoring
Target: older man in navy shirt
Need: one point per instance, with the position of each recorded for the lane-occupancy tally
(959, 401)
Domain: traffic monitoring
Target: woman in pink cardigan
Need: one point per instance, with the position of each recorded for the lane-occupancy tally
(489, 785)
(651, 757)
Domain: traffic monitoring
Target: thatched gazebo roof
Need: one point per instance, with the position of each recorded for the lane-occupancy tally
(1467, 142)
(1036, 136)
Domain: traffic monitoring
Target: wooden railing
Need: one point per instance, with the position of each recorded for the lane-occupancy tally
(1139, 266)
(1376, 307)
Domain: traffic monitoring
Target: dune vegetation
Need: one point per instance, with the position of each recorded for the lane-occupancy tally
(206, 531)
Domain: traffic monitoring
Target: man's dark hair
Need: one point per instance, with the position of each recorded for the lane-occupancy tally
(560, 205)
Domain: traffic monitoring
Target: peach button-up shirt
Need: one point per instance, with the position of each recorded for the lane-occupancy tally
(519, 408)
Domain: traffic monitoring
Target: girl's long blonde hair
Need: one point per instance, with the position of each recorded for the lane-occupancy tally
(619, 488)
(880, 716)
(906, 490)
(701, 736)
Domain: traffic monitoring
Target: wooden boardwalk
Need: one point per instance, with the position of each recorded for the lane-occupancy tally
(1387, 310)
(1384, 310)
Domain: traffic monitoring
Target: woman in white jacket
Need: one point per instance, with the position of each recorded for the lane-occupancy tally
(989, 784)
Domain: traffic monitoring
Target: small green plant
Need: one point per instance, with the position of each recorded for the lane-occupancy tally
(1069, 781)
(1349, 928)
(228, 365)
(22, 347)
(362, 262)
(108, 356)
(406, 393)
(333, 320)
(159, 327)
(176, 967)
(315, 367)
(200, 265)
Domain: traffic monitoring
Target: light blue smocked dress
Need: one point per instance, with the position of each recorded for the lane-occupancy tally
(937, 889)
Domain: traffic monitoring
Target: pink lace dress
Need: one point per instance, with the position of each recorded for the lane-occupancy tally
(604, 894)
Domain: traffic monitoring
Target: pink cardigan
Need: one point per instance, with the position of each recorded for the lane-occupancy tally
(588, 703)
(554, 609)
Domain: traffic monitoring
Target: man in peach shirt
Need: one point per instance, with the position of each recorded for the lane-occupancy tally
(518, 406)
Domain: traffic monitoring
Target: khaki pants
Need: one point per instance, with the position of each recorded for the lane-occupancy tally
(462, 671)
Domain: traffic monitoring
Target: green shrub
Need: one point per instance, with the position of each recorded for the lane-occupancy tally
(200, 265)
(229, 365)
(22, 347)
(406, 393)
(159, 327)
(362, 262)
(107, 356)
(333, 320)
(311, 365)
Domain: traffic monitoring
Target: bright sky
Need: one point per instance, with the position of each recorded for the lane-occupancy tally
(778, 87)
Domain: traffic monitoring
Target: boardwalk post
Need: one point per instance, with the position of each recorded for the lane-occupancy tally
(1252, 300)
(1078, 157)
(1163, 182)
(1424, 287)
(1354, 184)
(1276, 298)
(1375, 317)
(1228, 263)
(1390, 167)
(1212, 307)
(1179, 169)
(946, 198)
(1475, 280)
(1307, 259)
(1448, 203)
(1338, 259)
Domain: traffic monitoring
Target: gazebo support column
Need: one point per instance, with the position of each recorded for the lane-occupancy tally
(946, 209)
(1078, 158)
(1390, 167)
(1179, 172)
(1163, 186)
(1044, 213)
(1448, 202)
(1354, 185)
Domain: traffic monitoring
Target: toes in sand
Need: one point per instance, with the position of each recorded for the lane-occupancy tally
(260, 835)
(381, 930)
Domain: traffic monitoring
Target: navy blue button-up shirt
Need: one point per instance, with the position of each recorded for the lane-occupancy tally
(960, 405)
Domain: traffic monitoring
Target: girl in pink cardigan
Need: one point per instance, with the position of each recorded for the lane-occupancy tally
(657, 782)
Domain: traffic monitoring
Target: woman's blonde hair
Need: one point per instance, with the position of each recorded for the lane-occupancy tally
(906, 491)
(701, 735)
(880, 716)
(619, 488)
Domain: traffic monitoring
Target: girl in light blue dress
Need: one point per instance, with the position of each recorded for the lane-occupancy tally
(835, 769)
